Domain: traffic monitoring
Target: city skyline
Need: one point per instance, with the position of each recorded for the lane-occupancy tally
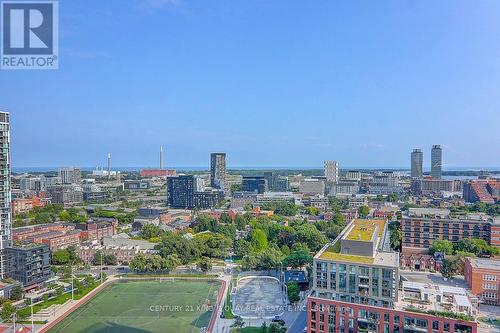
(274, 84)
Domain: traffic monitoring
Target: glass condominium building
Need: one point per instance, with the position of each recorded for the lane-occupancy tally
(5, 213)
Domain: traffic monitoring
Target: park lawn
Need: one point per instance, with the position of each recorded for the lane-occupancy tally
(140, 306)
(61, 299)
(228, 313)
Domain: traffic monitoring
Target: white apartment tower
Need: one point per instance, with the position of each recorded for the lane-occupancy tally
(5, 213)
(331, 169)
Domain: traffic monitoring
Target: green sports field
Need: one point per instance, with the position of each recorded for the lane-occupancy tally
(178, 306)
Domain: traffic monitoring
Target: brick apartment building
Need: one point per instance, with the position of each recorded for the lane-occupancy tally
(356, 288)
(148, 173)
(421, 226)
(61, 235)
(483, 278)
(98, 228)
(123, 254)
(482, 190)
(25, 205)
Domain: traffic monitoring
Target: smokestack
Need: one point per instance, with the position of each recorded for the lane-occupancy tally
(161, 158)
(109, 165)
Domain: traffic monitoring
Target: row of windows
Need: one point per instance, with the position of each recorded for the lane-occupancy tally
(490, 286)
(370, 321)
(490, 277)
(489, 294)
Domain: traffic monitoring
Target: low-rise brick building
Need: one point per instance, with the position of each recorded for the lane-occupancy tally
(483, 277)
(421, 226)
(421, 262)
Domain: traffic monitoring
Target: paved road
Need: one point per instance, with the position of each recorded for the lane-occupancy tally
(299, 323)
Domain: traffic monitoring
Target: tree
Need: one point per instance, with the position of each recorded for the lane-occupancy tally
(60, 257)
(335, 204)
(213, 245)
(259, 240)
(238, 322)
(249, 262)
(72, 253)
(205, 222)
(441, 245)
(300, 247)
(150, 231)
(138, 264)
(110, 259)
(293, 291)
(64, 216)
(7, 311)
(312, 210)
(333, 231)
(224, 218)
(396, 235)
(98, 258)
(363, 211)
(16, 293)
(242, 247)
(170, 262)
(172, 243)
(269, 259)
(308, 234)
(338, 219)
(298, 259)
(205, 264)
(240, 222)
(393, 197)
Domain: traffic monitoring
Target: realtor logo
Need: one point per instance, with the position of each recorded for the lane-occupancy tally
(29, 34)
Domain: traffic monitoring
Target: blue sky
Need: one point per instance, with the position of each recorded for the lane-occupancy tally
(272, 83)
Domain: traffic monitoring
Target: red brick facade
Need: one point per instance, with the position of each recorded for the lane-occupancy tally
(341, 317)
(484, 279)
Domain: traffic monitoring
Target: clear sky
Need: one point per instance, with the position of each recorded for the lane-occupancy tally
(270, 82)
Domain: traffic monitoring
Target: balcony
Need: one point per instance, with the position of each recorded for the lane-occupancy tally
(415, 328)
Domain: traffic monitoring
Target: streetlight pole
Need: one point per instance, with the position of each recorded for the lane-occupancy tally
(32, 321)
(101, 265)
(72, 284)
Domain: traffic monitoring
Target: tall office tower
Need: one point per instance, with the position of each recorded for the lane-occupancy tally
(417, 160)
(331, 169)
(218, 170)
(70, 175)
(161, 158)
(5, 213)
(436, 161)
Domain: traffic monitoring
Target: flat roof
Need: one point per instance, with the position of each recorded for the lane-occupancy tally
(463, 301)
(363, 230)
(485, 263)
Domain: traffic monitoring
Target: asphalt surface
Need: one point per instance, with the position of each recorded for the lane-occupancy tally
(299, 323)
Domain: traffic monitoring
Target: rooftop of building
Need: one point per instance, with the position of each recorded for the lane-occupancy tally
(441, 300)
(362, 231)
(27, 246)
(485, 263)
(445, 214)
